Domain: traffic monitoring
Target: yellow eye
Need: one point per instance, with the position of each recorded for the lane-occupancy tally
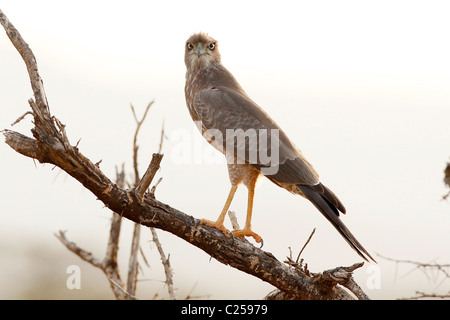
(212, 46)
(190, 46)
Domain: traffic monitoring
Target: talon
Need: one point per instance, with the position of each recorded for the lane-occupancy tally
(248, 233)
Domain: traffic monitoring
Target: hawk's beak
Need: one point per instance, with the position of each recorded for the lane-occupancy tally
(200, 50)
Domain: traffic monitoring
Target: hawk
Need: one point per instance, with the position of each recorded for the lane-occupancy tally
(220, 107)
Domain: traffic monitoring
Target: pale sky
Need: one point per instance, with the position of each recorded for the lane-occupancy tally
(361, 87)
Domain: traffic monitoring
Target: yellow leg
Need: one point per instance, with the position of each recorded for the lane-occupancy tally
(219, 222)
(247, 231)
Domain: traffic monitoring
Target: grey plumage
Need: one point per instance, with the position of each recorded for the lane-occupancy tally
(218, 102)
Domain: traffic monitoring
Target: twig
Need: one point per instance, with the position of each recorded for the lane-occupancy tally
(423, 295)
(144, 183)
(21, 118)
(306, 243)
(133, 260)
(118, 286)
(420, 265)
(436, 269)
(109, 264)
(233, 219)
(29, 59)
(83, 254)
(166, 264)
(189, 296)
(161, 139)
(135, 146)
(153, 189)
(133, 265)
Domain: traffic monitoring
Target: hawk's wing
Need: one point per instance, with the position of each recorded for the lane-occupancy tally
(224, 108)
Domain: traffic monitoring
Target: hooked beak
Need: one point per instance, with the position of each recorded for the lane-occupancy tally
(200, 50)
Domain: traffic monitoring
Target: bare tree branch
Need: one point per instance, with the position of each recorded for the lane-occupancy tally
(447, 180)
(109, 264)
(166, 264)
(149, 174)
(423, 295)
(135, 145)
(30, 61)
(52, 146)
(119, 287)
(304, 246)
(433, 271)
(133, 265)
(133, 260)
(83, 254)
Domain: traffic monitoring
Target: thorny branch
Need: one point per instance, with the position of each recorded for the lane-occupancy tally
(50, 145)
(166, 263)
(133, 265)
(328, 278)
(141, 187)
(433, 271)
(109, 265)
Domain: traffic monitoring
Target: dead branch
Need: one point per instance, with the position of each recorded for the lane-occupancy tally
(447, 180)
(166, 263)
(304, 246)
(50, 145)
(21, 118)
(83, 254)
(135, 145)
(156, 160)
(328, 278)
(133, 265)
(233, 220)
(144, 183)
(444, 269)
(423, 295)
(140, 188)
(432, 271)
(109, 265)
(133, 260)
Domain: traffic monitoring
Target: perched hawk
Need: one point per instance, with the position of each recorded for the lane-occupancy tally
(252, 142)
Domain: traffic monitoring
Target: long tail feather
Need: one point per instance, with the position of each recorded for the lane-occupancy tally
(329, 208)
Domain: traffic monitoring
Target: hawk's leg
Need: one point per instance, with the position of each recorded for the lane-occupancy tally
(247, 231)
(219, 222)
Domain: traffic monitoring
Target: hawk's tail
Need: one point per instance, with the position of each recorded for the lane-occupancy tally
(328, 205)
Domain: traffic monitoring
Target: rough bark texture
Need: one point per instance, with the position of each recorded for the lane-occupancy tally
(51, 145)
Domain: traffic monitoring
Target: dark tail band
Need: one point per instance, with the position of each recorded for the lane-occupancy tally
(329, 208)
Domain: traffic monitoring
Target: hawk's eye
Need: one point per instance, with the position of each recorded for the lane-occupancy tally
(190, 46)
(211, 46)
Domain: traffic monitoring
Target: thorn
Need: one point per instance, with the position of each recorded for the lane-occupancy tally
(98, 163)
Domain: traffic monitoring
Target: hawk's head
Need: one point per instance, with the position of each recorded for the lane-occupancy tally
(201, 51)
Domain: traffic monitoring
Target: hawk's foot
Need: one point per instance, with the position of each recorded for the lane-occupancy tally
(217, 225)
(247, 232)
